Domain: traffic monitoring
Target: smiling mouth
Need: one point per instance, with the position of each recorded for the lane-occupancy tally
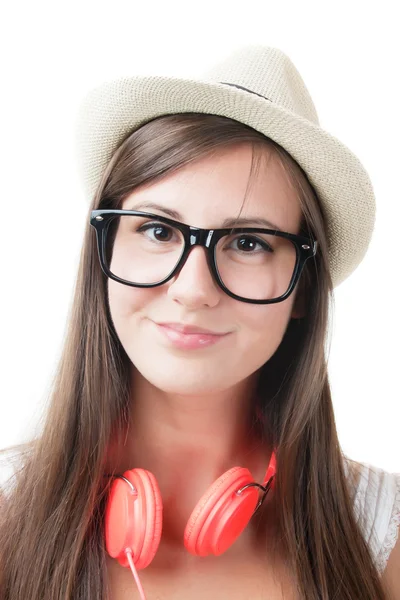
(190, 329)
(189, 341)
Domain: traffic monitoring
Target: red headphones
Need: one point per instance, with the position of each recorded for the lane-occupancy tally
(133, 517)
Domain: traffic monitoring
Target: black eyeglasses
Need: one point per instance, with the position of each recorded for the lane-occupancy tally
(250, 264)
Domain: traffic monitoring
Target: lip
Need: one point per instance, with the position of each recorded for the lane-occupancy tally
(189, 329)
(188, 341)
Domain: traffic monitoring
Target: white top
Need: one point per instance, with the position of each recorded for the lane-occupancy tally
(377, 508)
(376, 500)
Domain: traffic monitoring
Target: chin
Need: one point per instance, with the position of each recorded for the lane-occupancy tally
(182, 382)
(187, 386)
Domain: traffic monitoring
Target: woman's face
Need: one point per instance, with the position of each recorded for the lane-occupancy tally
(206, 193)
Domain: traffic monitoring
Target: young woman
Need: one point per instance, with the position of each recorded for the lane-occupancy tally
(190, 447)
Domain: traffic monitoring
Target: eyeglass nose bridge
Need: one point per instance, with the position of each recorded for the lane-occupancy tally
(203, 238)
(200, 237)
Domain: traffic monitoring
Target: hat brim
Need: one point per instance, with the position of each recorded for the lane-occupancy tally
(116, 108)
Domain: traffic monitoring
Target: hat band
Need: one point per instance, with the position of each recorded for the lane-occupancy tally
(240, 87)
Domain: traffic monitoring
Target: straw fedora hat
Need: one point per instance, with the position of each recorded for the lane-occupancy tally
(260, 87)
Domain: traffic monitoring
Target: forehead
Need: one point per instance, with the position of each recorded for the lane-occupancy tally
(212, 189)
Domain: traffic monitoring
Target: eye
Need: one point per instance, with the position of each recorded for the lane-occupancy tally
(161, 232)
(248, 243)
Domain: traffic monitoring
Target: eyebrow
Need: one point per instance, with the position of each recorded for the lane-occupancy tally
(225, 224)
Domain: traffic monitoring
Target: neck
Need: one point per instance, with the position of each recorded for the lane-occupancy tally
(187, 442)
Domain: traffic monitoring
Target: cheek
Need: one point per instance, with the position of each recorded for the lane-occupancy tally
(262, 329)
(127, 305)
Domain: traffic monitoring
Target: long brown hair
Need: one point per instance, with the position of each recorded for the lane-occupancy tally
(51, 530)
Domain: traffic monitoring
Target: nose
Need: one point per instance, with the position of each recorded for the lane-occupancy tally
(194, 285)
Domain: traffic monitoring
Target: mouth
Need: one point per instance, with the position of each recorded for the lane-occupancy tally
(190, 329)
(189, 341)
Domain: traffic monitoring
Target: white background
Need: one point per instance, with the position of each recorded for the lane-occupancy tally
(348, 54)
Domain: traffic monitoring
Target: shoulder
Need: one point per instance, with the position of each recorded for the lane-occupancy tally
(376, 499)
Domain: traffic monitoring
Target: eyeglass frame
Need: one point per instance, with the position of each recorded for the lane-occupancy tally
(101, 219)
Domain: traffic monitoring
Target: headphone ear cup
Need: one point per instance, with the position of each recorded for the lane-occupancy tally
(221, 514)
(134, 520)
